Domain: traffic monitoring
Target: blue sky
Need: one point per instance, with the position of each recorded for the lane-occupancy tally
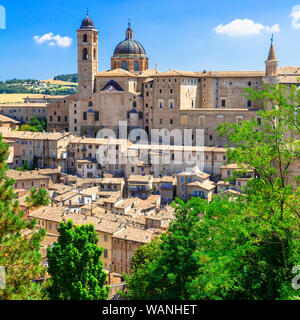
(176, 34)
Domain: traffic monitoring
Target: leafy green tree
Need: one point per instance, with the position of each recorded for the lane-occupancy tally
(244, 248)
(38, 197)
(168, 275)
(75, 266)
(137, 282)
(19, 244)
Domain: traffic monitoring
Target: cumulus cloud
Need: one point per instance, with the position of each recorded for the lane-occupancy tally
(244, 27)
(52, 40)
(295, 17)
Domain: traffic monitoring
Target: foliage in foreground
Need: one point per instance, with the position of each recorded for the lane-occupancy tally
(75, 266)
(244, 248)
(19, 243)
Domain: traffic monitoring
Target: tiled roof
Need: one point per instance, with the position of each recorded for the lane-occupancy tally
(25, 175)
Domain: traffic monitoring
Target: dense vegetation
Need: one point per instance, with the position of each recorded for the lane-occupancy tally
(19, 244)
(34, 125)
(73, 77)
(37, 197)
(32, 86)
(236, 249)
(75, 266)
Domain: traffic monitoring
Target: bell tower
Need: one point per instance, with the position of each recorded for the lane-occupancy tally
(271, 65)
(87, 40)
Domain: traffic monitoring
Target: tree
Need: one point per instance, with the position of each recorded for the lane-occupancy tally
(237, 249)
(19, 243)
(25, 167)
(177, 262)
(137, 282)
(75, 266)
(270, 147)
(38, 197)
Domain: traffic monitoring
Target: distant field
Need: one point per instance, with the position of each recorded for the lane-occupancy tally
(16, 97)
(59, 82)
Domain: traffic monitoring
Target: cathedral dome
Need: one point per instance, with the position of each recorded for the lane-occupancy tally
(87, 23)
(129, 46)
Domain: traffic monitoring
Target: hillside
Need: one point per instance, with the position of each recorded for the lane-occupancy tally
(43, 87)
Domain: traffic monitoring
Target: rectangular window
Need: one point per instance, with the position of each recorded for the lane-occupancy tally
(219, 120)
(239, 119)
(58, 118)
(160, 103)
(84, 116)
(105, 255)
(96, 115)
(183, 120)
(223, 102)
(202, 122)
(249, 103)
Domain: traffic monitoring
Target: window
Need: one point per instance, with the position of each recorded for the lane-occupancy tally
(160, 121)
(134, 104)
(105, 255)
(223, 102)
(84, 116)
(58, 118)
(85, 54)
(90, 104)
(96, 115)
(66, 119)
(249, 103)
(171, 104)
(171, 121)
(202, 122)
(160, 103)
(84, 38)
(124, 65)
(219, 120)
(183, 120)
(136, 66)
(140, 115)
(51, 118)
(239, 119)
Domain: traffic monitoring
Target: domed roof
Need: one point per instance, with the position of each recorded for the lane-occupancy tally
(87, 23)
(129, 46)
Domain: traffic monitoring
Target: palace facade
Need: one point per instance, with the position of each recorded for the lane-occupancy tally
(149, 99)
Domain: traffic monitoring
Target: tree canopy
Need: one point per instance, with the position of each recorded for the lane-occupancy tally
(75, 266)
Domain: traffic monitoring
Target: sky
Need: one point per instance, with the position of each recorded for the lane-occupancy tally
(39, 39)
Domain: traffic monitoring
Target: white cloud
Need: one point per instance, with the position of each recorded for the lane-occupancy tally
(295, 14)
(244, 27)
(53, 40)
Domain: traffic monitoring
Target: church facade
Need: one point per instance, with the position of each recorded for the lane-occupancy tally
(149, 99)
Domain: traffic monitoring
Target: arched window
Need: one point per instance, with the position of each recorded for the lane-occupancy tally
(136, 66)
(90, 103)
(84, 38)
(124, 65)
(134, 104)
(85, 54)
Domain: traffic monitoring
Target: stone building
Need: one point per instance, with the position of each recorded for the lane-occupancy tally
(149, 99)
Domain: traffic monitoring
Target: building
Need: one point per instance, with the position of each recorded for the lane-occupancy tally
(140, 186)
(40, 149)
(149, 99)
(28, 179)
(8, 122)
